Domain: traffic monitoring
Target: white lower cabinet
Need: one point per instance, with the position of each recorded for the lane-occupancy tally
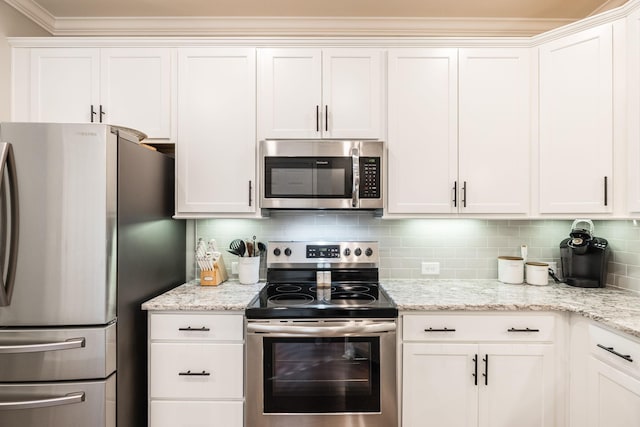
(612, 366)
(196, 370)
(457, 374)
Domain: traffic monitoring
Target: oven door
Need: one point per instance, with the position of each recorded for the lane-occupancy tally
(321, 373)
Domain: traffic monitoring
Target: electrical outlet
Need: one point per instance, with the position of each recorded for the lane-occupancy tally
(431, 268)
(234, 267)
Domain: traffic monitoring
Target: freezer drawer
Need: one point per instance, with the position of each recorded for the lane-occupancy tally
(52, 354)
(82, 403)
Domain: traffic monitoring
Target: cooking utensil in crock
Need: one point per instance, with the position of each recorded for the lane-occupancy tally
(238, 247)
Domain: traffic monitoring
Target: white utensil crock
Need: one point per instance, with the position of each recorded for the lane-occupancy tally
(248, 269)
(510, 269)
(537, 273)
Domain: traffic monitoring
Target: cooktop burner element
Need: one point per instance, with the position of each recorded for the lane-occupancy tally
(321, 279)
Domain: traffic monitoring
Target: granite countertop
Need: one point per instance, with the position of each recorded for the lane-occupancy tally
(229, 295)
(616, 308)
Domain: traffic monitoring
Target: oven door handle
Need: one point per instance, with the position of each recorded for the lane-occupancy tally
(322, 331)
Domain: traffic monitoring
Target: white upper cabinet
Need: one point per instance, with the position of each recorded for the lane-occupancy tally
(135, 89)
(633, 111)
(576, 123)
(64, 84)
(122, 86)
(319, 93)
(422, 130)
(459, 132)
(216, 149)
(494, 130)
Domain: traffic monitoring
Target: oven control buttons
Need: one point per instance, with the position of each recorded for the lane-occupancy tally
(276, 251)
(368, 252)
(347, 252)
(358, 252)
(287, 252)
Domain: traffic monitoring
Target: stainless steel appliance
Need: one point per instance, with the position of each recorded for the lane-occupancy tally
(321, 174)
(321, 339)
(86, 236)
(584, 257)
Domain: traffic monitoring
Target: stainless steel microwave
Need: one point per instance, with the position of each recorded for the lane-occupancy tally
(321, 174)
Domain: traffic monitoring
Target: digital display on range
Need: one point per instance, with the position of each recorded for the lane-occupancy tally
(323, 251)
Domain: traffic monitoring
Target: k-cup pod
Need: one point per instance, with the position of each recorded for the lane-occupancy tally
(511, 269)
(537, 273)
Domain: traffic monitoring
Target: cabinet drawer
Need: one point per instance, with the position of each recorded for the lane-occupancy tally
(452, 327)
(196, 370)
(615, 348)
(196, 414)
(215, 327)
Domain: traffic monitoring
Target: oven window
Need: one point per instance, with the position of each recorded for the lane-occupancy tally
(308, 177)
(321, 375)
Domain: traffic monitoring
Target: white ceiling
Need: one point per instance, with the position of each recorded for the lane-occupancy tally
(117, 17)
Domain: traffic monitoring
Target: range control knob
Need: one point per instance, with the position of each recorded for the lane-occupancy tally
(368, 252)
(347, 252)
(276, 251)
(358, 252)
(287, 252)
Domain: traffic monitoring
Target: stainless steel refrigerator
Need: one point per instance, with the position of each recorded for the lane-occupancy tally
(86, 236)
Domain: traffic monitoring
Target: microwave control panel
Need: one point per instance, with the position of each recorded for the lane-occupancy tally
(369, 177)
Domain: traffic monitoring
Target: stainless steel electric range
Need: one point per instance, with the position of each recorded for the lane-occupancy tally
(321, 339)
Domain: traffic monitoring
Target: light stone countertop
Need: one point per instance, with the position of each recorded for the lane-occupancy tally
(618, 309)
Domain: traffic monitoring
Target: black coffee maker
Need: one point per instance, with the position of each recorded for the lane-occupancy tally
(584, 257)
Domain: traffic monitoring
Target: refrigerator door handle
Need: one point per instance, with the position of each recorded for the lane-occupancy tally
(9, 220)
(47, 346)
(67, 399)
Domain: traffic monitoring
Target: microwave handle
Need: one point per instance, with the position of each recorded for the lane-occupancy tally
(355, 191)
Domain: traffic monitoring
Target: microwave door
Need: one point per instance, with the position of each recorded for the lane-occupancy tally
(332, 178)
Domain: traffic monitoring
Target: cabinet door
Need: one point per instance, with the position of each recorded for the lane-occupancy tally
(135, 89)
(633, 112)
(351, 93)
(614, 397)
(289, 93)
(520, 385)
(206, 413)
(216, 147)
(423, 130)
(494, 130)
(438, 386)
(64, 85)
(576, 127)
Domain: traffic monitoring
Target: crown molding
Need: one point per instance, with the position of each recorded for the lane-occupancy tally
(35, 12)
(282, 26)
(303, 26)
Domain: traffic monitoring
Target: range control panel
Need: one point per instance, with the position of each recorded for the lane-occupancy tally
(295, 252)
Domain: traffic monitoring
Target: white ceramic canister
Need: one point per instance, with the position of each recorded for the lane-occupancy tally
(248, 270)
(511, 269)
(537, 273)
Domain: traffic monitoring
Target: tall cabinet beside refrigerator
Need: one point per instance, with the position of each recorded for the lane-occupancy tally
(86, 236)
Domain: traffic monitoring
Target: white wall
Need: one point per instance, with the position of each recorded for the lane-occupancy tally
(12, 24)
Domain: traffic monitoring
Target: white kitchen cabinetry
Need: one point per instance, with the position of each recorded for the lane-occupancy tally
(494, 130)
(216, 150)
(613, 376)
(196, 364)
(479, 370)
(129, 87)
(422, 130)
(450, 150)
(576, 123)
(319, 93)
(633, 110)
